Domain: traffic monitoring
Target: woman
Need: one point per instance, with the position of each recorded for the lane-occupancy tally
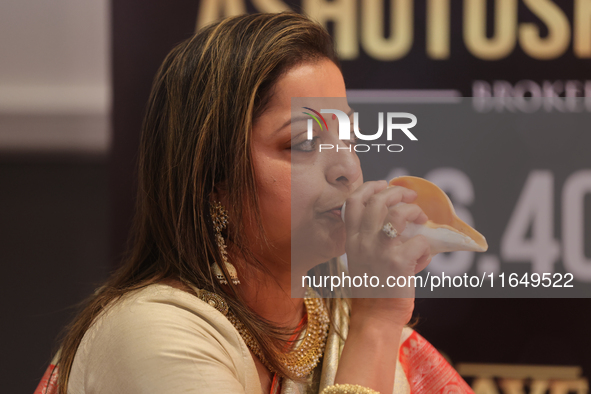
(202, 303)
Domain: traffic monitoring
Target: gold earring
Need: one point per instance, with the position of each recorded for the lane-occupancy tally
(219, 216)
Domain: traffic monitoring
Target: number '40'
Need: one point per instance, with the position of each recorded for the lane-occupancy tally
(535, 208)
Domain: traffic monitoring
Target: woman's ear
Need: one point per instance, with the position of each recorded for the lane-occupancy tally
(220, 193)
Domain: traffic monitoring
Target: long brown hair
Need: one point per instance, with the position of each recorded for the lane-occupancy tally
(196, 137)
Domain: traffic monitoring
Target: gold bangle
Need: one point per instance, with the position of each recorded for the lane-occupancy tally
(348, 389)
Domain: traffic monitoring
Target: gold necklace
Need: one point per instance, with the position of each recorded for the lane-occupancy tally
(301, 360)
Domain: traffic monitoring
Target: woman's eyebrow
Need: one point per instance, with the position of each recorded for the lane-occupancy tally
(300, 118)
(291, 120)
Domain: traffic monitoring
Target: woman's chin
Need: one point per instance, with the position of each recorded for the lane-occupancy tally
(339, 250)
(306, 260)
(318, 248)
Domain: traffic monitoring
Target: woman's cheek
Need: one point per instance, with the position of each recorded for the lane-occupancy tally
(274, 189)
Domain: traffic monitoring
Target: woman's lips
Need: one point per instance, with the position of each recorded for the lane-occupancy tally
(336, 212)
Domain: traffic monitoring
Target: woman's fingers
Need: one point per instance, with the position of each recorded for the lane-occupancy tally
(371, 209)
(423, 262)
(402, 213)
(398, 194)
(374, 213)
(356, 203)
(415, 249)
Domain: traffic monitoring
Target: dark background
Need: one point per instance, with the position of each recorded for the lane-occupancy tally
(64, 219)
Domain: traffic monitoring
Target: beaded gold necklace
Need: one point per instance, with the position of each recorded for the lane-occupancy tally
(301, 360)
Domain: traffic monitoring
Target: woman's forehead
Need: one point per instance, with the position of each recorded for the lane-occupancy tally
(319, 79)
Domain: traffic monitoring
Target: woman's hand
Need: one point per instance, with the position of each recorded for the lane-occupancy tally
(371, 252)
(371, 349)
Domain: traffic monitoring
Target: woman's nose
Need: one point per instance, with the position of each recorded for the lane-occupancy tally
(344, 167)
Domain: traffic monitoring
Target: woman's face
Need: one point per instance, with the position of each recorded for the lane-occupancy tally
(300, 189)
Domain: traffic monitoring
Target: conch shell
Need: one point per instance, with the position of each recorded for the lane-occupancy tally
(445, 231)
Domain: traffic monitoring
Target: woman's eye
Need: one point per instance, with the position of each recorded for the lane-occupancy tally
(306, 145)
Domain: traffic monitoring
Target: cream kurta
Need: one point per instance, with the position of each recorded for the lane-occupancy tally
(163, 340)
